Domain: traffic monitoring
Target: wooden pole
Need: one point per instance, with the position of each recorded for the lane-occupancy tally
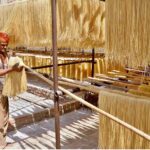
(55, 74)
(93, 61)
(117, 120)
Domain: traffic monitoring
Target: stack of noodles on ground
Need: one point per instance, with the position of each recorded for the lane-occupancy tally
(124, 81)
(80, 23)
(74, 71)
(130, 108)
(143, 90)
(143, 87)
(15, 82)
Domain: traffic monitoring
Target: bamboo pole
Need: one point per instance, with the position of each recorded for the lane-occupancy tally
(117, 120)
(55, 74)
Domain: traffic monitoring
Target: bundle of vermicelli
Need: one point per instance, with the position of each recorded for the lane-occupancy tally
(129, 108)
(101, 67)
(15, 82)
(80, 23)
(73, 71)
(144, 88)
(127, 32)
(140, 93)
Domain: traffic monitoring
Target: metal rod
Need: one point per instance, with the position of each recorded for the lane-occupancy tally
(93, 61)
(64, 64)
(55, 74)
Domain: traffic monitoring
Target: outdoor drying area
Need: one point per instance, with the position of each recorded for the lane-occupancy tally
(79, 130)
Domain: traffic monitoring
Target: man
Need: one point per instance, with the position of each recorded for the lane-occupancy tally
(4, 104)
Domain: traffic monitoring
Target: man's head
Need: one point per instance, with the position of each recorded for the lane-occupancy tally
(4, 40)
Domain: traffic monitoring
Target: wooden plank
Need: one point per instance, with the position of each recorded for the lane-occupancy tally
(118, 78)
(115, 83)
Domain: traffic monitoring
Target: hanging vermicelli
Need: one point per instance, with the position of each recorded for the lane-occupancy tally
(63, 68)
(144, 88)
(127, 32)
(68, 69)
(125, 107)
(80, 23)
(73, 71)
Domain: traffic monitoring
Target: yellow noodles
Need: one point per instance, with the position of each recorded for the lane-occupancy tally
(131, 109)
(80, 23)
(127, 32)
(15, 82)
(74, 71)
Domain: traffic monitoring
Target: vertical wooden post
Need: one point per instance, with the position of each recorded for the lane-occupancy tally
(93, 60)
(55, 74)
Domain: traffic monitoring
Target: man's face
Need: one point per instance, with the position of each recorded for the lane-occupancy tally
(3, 46)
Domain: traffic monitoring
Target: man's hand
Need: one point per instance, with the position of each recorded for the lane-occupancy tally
(16, 67)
